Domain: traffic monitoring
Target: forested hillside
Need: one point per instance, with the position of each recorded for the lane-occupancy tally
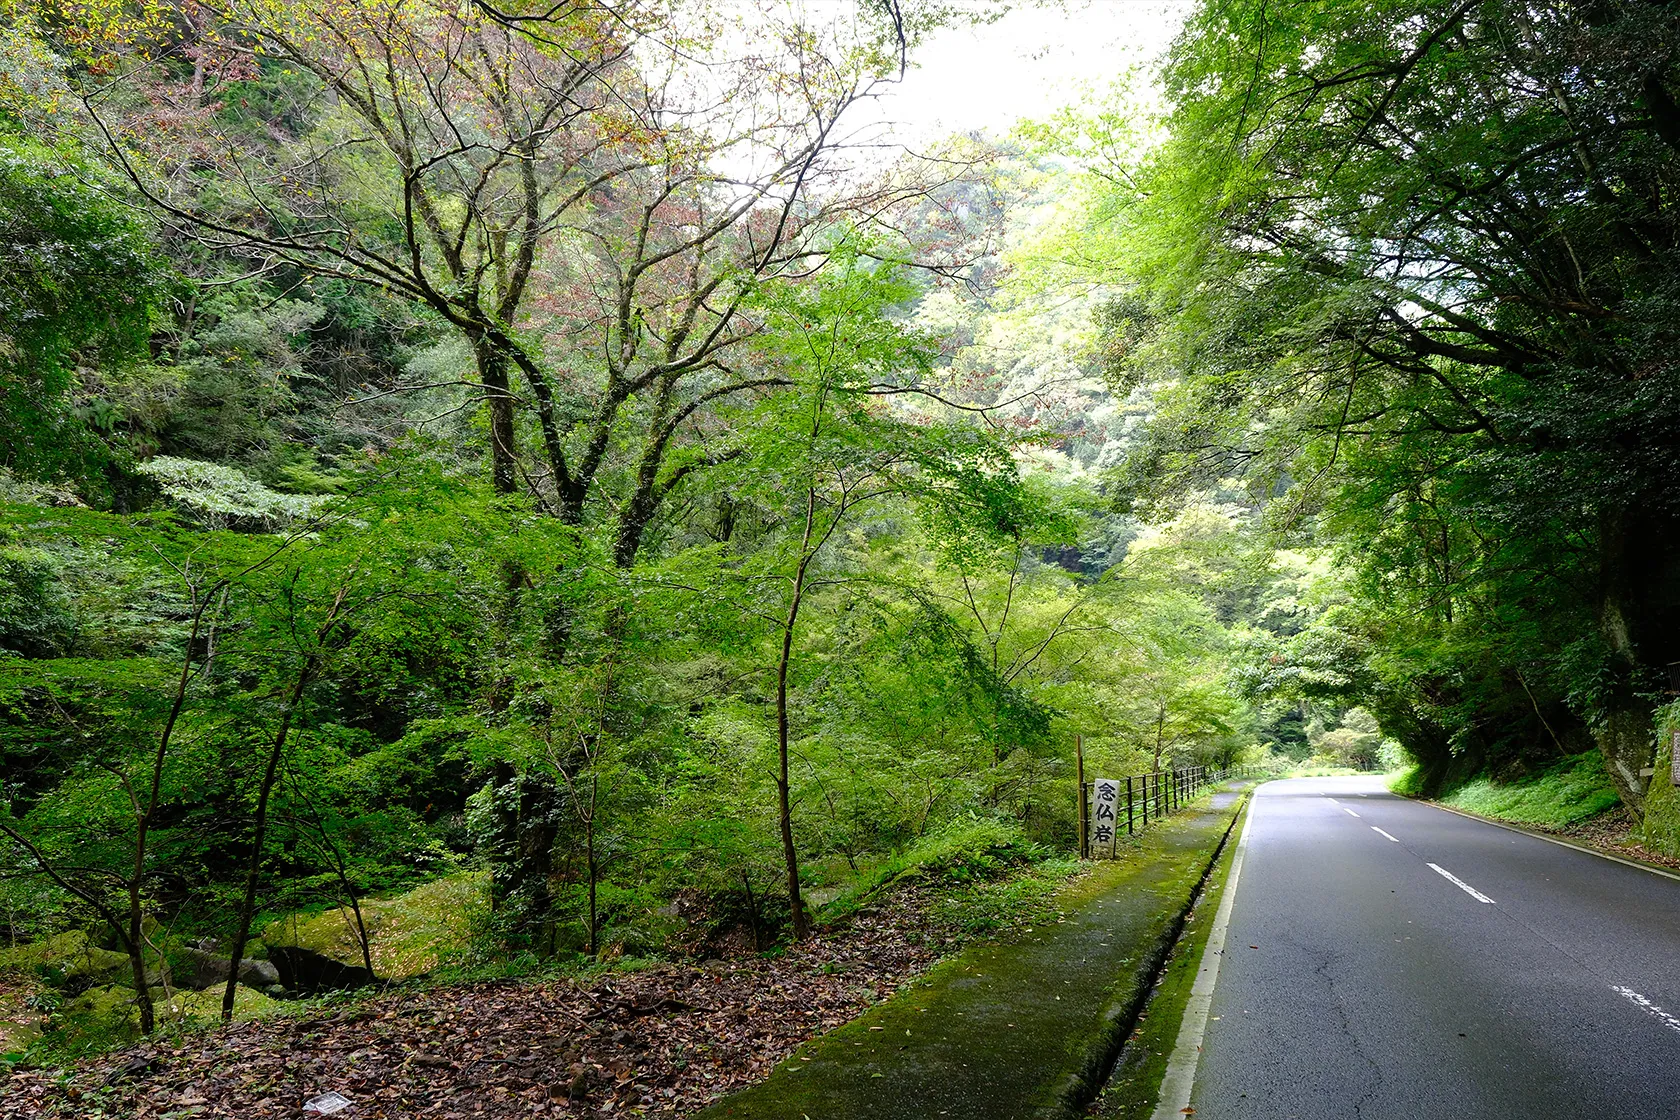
(1409, 271)
(555, 458)
(545, 485)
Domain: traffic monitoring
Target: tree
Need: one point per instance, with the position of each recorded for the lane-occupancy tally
(1416, 263)
(830, 447)
(567, 199)
(117, 730)
(78, 288)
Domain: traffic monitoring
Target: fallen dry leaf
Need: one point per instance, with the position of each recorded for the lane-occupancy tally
(660, 1042)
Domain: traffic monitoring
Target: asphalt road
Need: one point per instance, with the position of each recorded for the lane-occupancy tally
(1359, 981)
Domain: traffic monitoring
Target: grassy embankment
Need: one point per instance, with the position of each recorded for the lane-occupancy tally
(1568, 793)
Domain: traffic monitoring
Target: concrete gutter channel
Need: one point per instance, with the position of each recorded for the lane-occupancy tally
(1027, 1027)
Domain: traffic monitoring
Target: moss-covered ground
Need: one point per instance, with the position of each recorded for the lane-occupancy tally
(407, 934)
(1566, 793)
(1019, 1027)
(1135, 1083)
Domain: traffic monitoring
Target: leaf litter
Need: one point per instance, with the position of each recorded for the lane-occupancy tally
(659, 1042)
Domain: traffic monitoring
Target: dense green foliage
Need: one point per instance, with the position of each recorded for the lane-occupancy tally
(1408, 271)
(76, 288)
(532, 489)
(517, 497)
(1563, 794)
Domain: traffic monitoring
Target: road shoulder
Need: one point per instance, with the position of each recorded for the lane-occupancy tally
(1008, 1030)
(1134, 1087)
(1617, 855)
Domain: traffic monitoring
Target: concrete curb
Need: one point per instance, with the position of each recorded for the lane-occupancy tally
(1122, 1017)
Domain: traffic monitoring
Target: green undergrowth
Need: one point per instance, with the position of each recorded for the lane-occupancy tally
(1565, 793)
(972, 851)
(978, 909)
(408, 934)
(987, 877)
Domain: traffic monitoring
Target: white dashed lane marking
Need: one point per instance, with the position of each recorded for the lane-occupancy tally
(1668, 1020)
(1459, 883)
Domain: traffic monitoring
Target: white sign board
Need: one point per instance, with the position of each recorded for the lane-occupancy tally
(1105, 817)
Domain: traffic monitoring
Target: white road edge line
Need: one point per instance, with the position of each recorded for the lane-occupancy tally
(1555, 840)
(1180, 1077)
(1459, 883)
(1349, 812)
(1380, 832)
(1668, 1020)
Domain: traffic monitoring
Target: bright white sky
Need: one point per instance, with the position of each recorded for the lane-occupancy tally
(1028, 64)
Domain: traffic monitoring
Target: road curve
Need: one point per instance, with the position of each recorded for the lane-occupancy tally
(1387, 959)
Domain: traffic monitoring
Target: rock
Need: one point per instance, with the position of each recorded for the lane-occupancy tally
(135, 1067)
(408, 933)
(111, 1003)
(17, 1033)
(210, 970)
(304, 970)
(68, 956)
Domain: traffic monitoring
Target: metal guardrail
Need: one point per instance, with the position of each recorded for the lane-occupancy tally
(1154, 796)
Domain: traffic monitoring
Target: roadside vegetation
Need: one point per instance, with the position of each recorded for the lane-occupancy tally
(493, 492)
(1569, 792)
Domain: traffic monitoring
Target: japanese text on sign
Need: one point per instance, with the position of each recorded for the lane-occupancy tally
(1105, 817)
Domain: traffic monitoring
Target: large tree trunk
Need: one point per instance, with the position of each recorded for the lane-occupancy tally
(493, 375)
(1637, 614)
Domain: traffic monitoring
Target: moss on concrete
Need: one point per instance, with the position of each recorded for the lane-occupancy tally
(1660, 830)
(1134, 1085)
(407, 934)
(1021, 1027)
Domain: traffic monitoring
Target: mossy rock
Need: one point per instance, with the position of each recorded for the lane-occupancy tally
(112, 1007)
(66, 958)
(206, 1006)
(17, 1034)
(1660, 829)
(113, 1004)
(407, 934)
(20, 1021)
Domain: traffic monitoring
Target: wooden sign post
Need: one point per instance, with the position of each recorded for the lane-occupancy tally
(1084, 808)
